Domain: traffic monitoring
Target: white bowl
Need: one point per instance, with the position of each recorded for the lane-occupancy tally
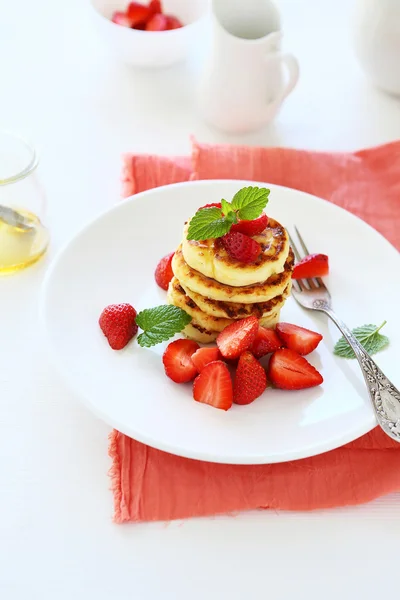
(151, 48)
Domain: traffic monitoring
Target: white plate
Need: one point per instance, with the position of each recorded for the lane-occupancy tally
(113, 260)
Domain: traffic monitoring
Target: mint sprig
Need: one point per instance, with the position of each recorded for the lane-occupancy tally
(160, 323)
(368, 336)
(247, 204)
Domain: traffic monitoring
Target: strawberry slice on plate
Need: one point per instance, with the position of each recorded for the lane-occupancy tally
(177, 360)
(118, 323)
(237, 337)
(250, 380)
(203, 356)
(214, 386)
(266, 341)
(297, 338)
(157, 22)
(251, 227)
(313, 265)
(121, 18)
(241, 247)
(290, 371)
(173, 22)
(164, 273)
(137, 13)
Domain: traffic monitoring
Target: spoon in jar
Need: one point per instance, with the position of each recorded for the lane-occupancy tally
(15, 219)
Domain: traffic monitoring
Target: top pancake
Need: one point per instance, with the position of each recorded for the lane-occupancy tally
(210, 258)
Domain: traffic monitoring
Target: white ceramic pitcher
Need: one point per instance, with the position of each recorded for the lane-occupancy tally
(243, 83)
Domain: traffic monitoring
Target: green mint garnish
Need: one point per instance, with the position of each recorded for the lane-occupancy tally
(247, 204)
(160, 323)
(368, 336)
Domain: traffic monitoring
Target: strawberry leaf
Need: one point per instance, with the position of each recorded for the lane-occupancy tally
(368, 336)
(160, 323)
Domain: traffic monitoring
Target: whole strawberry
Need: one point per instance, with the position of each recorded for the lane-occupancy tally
(164, 273)
(117, 322)
(241, 247)
(250, 380)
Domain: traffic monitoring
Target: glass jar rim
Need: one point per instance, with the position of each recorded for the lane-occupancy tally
(29, 165)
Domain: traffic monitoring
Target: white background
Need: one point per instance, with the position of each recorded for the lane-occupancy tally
(60, 87)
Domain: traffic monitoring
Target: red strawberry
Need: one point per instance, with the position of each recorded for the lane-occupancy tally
(250, 380)
(241, 247)
(214, 386)
(203, 356)
(173, 22)
(237, 337)
(251, 227)
(157, 22)
(117, 322)
(164, 273)
(290, 371)
(266, 341)
(137, 13)
(120, 18)
(177, 360)
(313, 265)
(154, 7)
(216, 204)
(297, 338)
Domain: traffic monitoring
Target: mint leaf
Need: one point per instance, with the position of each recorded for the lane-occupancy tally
(209, 223)
(250, 202)
(368, 336)
(160, 323)
(226, 207)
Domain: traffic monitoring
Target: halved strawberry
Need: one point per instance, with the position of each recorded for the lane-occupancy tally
(214, 386)
(120, 18)
(297, 338)
(237, 337)
(157, 22)
(177, 360)
(241, 247)
(203, 356)
(216, 204)
(154, 7)
(266, 342)
(251, 227)
(137, 13)
(290, 371)
(250, 380)
(164, 273)
(117, 322)
(313, 265)
(173, 22)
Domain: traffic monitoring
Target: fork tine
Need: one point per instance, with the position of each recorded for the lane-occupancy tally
(295, 250)
(305, 249)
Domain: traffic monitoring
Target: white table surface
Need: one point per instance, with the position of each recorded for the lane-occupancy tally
(60, 87)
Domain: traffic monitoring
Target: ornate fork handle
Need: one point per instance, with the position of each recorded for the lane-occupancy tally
(384, 396)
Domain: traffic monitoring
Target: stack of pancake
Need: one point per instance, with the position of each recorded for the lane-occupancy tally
(215, 289)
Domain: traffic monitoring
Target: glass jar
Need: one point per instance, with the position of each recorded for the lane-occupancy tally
(23, 237)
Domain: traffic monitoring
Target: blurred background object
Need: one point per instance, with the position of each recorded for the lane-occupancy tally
(376, 31)
(23, 237)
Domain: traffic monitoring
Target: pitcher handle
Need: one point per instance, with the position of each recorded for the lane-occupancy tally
(293, 70)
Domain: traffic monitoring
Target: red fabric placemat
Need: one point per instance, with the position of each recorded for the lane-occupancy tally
(150, 485)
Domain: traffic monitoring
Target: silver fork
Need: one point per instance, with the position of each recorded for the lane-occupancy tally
(385, 397)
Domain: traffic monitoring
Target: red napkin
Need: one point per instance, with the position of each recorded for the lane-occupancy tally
(151, 485)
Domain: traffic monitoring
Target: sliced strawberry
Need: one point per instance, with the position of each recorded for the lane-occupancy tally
(157, 22)
(177, 360)
(154, 7)
(117, 322)
(120, 18)
(173, 22)
(214, 386)
(290, 371)
(241, 247)
(297, 338)
(203, 356)
(164, 273)
(250, 380)
(216, 204)
(237, 337)
(137, 13)
(251, 227)
(313, 265)
(266, 342)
